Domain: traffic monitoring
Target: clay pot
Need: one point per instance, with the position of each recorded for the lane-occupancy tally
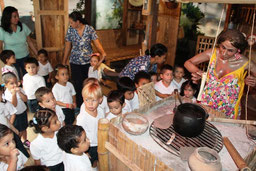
(204, 158)
(189, 119)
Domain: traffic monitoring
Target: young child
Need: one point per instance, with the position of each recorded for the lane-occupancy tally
(164, 88)
(8, 58)
(45, 68)
(73, 140)
(44, 149)
(153, 77)
(64, 93)
(31, 82)
(89, 116)
(189, 90)
(46, 100)
(115, 104)
(17, 97)
(10, 157)
(178, 79)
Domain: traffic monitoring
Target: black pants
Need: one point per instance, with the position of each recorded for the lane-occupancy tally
(58, 167)
(69, 115)
(19, 145)
(48, 84)
(78, 74)
(93, 153)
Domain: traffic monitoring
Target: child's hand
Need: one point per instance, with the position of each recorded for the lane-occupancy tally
(48, 80)
(74, 105)
(14, 90)
(14, 155)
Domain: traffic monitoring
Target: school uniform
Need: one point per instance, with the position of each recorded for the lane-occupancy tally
(74, 162)
(161, 88)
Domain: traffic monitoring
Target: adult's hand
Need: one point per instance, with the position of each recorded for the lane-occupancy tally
(250, 81)
(196, 76)
(67, 50)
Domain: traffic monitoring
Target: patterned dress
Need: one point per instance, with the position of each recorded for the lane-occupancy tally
(224, 94)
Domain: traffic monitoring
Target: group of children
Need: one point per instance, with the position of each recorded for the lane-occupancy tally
(62, 137)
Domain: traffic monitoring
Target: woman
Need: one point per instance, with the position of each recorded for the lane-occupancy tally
(14, 35)
(225, 81)
(148, 62)
(78, 41)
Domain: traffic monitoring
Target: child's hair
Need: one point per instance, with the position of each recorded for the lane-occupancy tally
(36, 168)
(95, 55)
(90, 80)
(4, 130)
(166, 67)
(6, 54)
(31, 60)
(1, 92)
(42, 51)
(125, 84)
(58, 67)
(40, 119)
(116, 95)
(7, 76)
(68, 137)
(141, 74)
(178, 66)
(40, 92)
(92, 90)
(156, 50)
(189, 83)
(152, 74)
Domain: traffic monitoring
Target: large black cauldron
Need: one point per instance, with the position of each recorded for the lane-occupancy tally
(189, 120)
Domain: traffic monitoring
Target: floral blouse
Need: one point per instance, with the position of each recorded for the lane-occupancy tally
(81, 46)
(224, 94)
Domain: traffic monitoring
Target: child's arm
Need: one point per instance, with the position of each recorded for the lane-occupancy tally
(14, 97)
(12, 164)
(162, 95)
(74, 101)
(12, 118)
(66, 105)
(110, 73)
(37, 162)
(13, 128)
(23, 97)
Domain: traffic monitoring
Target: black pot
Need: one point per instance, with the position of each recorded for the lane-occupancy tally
(189, 120)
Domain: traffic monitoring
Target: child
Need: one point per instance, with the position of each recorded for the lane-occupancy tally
(17, 97)
(153, 77)
(115, 104)
(178, 79)
(64, 93)
(8, 58)
(164, 88)
(31, 82)
(73, 140)
(46, 100)
(89, 116)
(44, 148)
(189, 90)
(10, 157)
(45, 68)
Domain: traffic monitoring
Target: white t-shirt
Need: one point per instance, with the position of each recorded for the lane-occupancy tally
(92, 74)
(177, 85)
(110, 116)
(46, 150)
(90, 124)
(21, 106)
(22, 159)
(44, 69)
(8, 68)
(64, 93)
(127, 107)
(104, 105)
(76, 163)
(60, 114)
(161, 88)
(6, 110)
(135, 104)
(31, 83)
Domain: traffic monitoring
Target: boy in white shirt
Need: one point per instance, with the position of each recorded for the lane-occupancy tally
(178, 75)
(72, 139)
(164, 88)
(89, 116)
(115, 104)
(31, 82)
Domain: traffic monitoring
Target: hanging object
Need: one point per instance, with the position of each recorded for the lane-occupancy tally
(136, 3)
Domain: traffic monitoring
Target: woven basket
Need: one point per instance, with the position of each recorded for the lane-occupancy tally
(146, 94)
(250, 160)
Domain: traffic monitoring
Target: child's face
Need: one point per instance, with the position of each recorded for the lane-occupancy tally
(54, 123)
(161, 59)
(167, 76)
(154, 78)
(115, 107)
(62, 75)
(48, 101)
(128, 95)
(94, 61)
(178, 73)
(11, 60)
(31, 69)
(189, 92)
(83, 146)
(91, 104)
(42, 58)
(142, 82)
(12, 83)
(7, 144)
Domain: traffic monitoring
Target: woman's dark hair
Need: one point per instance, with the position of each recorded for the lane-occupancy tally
(141, 75)
(236, 38)
(116, 95)
(157, 49)
(77, 16)
(125, 84)
(42, 51)
(190, 84)
(6, 54)
(6, 19)
(4, 130)
(40, 119)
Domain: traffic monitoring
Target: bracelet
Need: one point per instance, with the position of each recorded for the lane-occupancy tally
(67, 105)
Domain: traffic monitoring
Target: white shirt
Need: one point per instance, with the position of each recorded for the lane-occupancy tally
(44, 69)
(90, 124)
(135, 104)
(111, 116)
(127, 107)
(8, 68)
(177, 85)
(22, 159)
(6, 110)
(46, 150)
(60, 114)
(74, 162)
(104, 105)
(64, 93)
(21, 106)
(92, 74)
(31, 83)
(161, 88)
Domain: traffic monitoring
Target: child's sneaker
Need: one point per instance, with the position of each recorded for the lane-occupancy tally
(26, 144)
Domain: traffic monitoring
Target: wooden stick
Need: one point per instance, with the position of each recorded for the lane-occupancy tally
(235, 121)
(199, 97)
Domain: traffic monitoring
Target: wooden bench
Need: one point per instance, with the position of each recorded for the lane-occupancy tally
(111, 42)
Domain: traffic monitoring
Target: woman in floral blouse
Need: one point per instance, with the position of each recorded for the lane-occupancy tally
(78, 41)
(226, 77)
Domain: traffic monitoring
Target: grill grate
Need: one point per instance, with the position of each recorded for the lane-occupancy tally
(210, 137)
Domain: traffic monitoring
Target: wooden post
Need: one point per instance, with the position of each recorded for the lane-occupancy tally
(103, 127)
(124, 25)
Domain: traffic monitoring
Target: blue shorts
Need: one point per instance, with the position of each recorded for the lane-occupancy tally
(21, 121)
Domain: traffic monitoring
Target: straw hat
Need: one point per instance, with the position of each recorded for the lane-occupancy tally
(136, 3)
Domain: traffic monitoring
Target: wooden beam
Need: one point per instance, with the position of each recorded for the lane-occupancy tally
(38, 24)
(220, 1)
(124, 25)
(51, 12)
(227, 16)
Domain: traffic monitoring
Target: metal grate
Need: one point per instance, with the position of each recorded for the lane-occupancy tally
(210, 137)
